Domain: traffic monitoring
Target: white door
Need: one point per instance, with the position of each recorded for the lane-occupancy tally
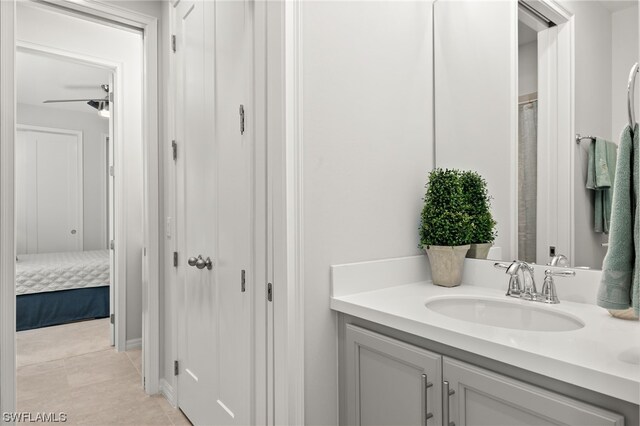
(48, 190)
(213, 195)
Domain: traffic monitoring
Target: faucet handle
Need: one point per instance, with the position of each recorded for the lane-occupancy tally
(548, 294)
(500, 265)
(514, 288)
(565, 273)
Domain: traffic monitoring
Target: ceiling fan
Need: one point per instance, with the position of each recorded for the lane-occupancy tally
(101, 104)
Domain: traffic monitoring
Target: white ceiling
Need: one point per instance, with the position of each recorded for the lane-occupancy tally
(527, 35)
(617, 5)
(41, 77)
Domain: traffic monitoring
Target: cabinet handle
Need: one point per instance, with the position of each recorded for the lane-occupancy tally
(446, 394)
(425, 410)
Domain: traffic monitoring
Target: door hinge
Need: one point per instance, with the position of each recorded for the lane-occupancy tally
(243, 281)
(176, 368)
(242, 119)
(111, 171)
(173, 43)
(175, 259)
(112, 244)
(269, 292)
(112, 318)
(144, 251)
(174, 149)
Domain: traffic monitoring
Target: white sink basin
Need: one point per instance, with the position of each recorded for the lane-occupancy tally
(518, 315)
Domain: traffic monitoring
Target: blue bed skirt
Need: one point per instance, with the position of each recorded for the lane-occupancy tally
(58, 307)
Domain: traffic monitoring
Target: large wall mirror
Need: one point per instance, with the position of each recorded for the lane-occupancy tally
(515, 81)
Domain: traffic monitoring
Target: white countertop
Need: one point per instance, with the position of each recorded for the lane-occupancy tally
(603, 356)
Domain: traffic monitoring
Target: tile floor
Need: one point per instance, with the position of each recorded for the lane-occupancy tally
(72, 368)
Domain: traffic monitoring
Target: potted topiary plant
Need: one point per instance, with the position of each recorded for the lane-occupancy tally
(478, 206)
(445, 231)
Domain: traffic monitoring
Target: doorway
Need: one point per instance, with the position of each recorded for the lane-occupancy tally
(63, 267)
(134, 137)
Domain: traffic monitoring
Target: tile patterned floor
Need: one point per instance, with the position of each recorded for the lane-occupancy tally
(72, 368)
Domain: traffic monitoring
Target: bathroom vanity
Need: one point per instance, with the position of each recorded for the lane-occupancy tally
(414, 353)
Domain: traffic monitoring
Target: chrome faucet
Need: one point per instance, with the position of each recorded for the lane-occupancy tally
(516, 288)
(527, 290)
(555, 260)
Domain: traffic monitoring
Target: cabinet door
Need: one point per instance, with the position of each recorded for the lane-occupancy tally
(485, 398)
(390, 382)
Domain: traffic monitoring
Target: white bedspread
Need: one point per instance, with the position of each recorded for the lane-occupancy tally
(37, 273)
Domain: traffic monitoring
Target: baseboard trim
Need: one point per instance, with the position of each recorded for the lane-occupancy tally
(133, 344)
(168, 392)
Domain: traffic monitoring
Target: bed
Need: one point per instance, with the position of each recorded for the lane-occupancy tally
(56, 288)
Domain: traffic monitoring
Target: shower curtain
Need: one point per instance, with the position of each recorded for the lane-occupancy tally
(527, 180)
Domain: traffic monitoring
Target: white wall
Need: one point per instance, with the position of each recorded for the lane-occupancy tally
(44, 27)
(475, 97)
(624, 54)
(528, 68)
(92, 127)
(367, 147)
(161, 10)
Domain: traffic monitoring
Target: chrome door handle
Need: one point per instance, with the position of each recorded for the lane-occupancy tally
(426, 415)
(446, 393)
(200, 263)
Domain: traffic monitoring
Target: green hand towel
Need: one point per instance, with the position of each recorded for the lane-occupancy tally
(600, 178)
(619, 286)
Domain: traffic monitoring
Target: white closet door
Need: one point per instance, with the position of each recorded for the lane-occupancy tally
(49, 191)
(214, 194)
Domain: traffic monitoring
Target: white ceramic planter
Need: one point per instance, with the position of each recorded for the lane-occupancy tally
(446, 264)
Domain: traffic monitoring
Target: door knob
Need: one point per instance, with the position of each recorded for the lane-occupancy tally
(73, 232)
(202, 263)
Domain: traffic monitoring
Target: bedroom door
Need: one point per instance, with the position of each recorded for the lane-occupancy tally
(213, 195)
(48, 190)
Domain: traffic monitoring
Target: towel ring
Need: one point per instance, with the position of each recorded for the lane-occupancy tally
(631, 93)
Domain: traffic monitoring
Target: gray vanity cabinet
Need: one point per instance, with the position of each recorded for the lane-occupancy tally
(482, 397)
(390, 382)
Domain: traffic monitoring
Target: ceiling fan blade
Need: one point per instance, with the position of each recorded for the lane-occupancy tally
(82, 86)
(52, 101)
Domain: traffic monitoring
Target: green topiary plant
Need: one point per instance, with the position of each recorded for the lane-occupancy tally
(445, 220)
(478, 207)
